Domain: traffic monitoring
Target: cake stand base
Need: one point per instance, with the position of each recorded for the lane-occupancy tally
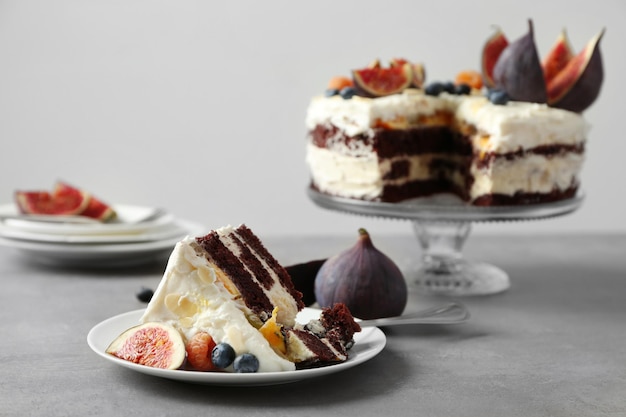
(444, 271)
(472, 278)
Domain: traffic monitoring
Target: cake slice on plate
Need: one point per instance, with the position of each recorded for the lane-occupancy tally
(227, 284)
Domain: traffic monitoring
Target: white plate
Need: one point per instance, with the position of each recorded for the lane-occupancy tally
(100, 255)
(369, 342)
(124, 223)
(156, 233)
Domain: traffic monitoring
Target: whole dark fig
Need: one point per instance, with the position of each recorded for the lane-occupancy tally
(518, 70)
(368, 282)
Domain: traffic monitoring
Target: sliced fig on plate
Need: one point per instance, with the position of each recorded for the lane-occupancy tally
(96, 209)
(518, 70)
(578, 84)
(43, 202)
(378, 82)
(492, 49)
(558, 57)
(157, 345)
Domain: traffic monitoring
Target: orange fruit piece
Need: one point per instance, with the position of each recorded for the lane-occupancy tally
(339, 83)
(470, 77)
(199, 350)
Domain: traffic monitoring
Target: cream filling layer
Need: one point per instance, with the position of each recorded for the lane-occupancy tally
(530, 174)
(192, 299)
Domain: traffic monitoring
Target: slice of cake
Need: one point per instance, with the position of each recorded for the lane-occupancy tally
(228, 285)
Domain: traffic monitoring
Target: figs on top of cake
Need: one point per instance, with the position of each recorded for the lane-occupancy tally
(562, 79)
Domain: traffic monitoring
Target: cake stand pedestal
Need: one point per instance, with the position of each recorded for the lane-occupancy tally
(442, 224)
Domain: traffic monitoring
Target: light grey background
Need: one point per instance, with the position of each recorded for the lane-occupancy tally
(198, 106)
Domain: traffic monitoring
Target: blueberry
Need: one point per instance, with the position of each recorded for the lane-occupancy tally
(246, 363)
(331, 92)
(462, 89)
(498, 97)
(223, 355)
(434, 89)
(145, 295)
(347, 92)
(449, 87)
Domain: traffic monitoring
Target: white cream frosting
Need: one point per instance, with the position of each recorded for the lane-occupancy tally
(192, 299)
(517, 125)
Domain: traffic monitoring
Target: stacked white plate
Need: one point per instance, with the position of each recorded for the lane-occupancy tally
(137, 235)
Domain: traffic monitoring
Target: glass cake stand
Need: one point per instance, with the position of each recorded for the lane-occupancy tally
(442, 224)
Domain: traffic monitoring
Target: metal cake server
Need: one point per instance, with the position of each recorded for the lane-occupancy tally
(449, 313)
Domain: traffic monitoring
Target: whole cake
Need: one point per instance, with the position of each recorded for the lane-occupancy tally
(382, 135)
(228, 286)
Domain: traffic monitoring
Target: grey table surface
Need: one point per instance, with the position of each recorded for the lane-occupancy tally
(554, 344)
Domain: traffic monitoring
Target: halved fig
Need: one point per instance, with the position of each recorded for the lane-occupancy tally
(418, 71)
(490, 54)
(157, 345)
(378, 82)
(43, 202)
(419, 75)
(577, 85)
(96, 209)
(518, 71)
(558, 57)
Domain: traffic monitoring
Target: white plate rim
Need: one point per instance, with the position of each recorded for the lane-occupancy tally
(123, 210)
(157, 233)
(188, 228)
(369, 342)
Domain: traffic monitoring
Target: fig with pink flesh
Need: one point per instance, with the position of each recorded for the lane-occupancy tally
(367, 281)
(379, 81)
(518, 70)
(491, 52)
(558, 57)
(158, 345)
(578, 85)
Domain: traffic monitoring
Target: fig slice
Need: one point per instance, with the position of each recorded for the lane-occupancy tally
(558, 57)
(378, 81)
(492, 50)
(419, 75)
(578, 85)
(95, 208)
(157, 345)
(418, 71)
(43, 202)
(518, 71)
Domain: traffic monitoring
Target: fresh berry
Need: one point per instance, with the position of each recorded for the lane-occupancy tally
(347, 92)
(145, 295)
(223, 355)
(498, 97)
(331, 92)
(434, 89)
(246, 363)
(448, 87)
(462, 89)
(199, 351)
